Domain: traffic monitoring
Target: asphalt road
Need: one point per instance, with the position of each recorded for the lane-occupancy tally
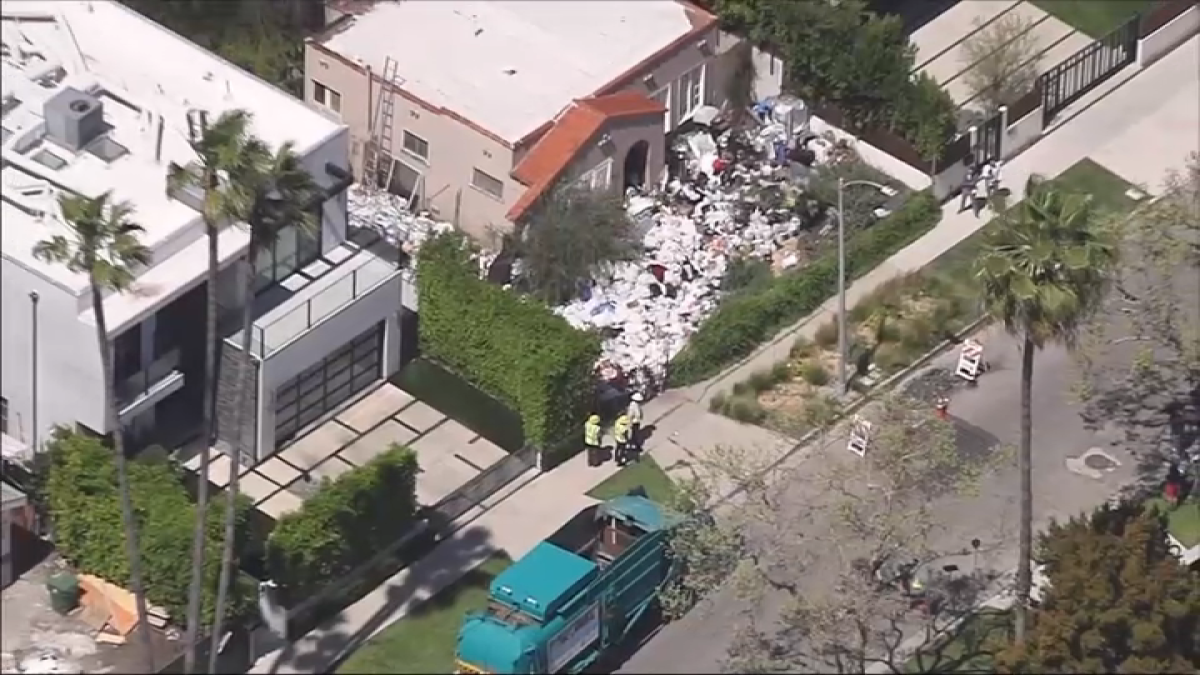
(988, 419)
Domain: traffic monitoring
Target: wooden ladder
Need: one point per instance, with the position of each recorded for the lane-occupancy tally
(381, 130)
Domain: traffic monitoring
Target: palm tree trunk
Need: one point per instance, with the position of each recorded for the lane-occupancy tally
(200, 533)
(132, 549)
(1024, 464)
(236, 458)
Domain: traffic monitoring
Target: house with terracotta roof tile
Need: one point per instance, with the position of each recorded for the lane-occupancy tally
(478, 107)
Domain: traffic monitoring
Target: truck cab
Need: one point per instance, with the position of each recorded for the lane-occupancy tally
(576, 594)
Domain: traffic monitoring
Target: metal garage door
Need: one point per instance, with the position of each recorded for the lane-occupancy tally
(329, 383)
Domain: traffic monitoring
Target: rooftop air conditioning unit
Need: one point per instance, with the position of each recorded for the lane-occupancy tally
(74, 118)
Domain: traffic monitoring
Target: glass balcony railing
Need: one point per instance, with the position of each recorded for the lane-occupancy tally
(318, 301)
(131, 389)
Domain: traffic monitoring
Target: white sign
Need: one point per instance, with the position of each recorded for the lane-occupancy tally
(573, 639)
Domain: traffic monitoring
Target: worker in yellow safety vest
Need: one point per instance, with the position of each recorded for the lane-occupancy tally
(621, 437)
(591, 440)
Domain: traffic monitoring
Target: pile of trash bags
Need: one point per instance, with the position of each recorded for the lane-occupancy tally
(388, 215)
(734, 193)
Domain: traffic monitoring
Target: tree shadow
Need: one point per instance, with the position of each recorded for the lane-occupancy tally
(451, 559)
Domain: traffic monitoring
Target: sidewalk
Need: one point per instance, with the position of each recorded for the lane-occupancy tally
(516, 525)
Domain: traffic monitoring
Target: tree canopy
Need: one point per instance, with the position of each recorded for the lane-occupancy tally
(1118, 600)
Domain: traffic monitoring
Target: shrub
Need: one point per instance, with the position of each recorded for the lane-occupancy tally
(801, 348)
(514, 349)
(747, 274)
(346, 523)
(918, 333)
(767, 378)
(827, 333)
(745, 321)
(815, 374)
(745, 409)
(781, 372)
(716, 404)
(83, 500)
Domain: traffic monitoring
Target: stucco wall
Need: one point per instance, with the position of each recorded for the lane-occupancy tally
(624, 134)
(70, 385)
(1162, 41)
(456, 148)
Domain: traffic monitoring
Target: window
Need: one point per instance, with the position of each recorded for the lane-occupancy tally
(598, 178)
(416, 146)
(488, 184)
(327, 97)
(3, 415)
(127, 354)
(691, 92)
(292, 250)
(663, 96)
(107, 149)
(49, 160)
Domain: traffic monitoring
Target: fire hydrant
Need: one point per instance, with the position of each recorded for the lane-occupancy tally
(943, 407)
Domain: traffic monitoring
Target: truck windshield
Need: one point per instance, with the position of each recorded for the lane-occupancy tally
(505, 614)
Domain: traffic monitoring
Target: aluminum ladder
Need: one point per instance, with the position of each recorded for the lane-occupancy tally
(381, 130)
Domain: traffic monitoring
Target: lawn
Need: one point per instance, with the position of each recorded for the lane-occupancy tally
(644, 473)
(424, 641)
(1183, 521)
(1096, 18)
(970, 649)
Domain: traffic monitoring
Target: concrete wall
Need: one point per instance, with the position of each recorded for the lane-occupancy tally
(1162, 41)
(382, 303)
(625, 134)
(1021, 133)
(335, 150)
(70, 381)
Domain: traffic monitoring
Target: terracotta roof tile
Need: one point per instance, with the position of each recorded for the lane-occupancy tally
(577, 125)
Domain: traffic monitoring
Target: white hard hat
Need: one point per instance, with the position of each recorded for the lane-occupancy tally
(637, 396)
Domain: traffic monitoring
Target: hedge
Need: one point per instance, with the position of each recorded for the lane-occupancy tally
(344, 524)
(745, 321)
(81, 495)
(512, 348)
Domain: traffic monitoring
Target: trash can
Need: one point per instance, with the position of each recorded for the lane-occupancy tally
(64, 592)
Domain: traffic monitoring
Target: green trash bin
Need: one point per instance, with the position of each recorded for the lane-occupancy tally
(64, 592)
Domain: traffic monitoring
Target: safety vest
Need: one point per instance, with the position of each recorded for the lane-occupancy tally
(591, 434)
(621, 429)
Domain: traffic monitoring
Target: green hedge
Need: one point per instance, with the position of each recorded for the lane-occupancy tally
(514, 349)
(346, 523)
(83, 500)
(745, 321)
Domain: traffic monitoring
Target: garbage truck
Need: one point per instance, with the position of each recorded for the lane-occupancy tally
(576, 596)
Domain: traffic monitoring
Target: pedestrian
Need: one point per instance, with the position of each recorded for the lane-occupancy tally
(591, 440)
(987, 176)
(994, 187)
(620, 432)
(634, 413)
(978, 197)
(968, 191)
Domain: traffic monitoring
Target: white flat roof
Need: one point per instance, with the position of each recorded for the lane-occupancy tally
(146, 77)
(509, 66)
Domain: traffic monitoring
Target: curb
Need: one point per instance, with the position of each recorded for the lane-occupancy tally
(859, 402)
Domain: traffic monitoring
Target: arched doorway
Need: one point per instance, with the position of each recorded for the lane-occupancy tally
(636, 159)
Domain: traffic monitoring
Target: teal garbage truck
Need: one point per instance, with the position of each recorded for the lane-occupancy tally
(576, 595)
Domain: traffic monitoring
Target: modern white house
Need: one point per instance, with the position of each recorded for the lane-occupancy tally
(98, 98)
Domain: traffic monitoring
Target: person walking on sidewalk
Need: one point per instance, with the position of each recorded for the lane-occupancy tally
(967, 192)
(620, 432)
(634, 413)
(591, 440)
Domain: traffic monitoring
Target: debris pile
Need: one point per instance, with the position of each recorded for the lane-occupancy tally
(388, 215)
(731, 194)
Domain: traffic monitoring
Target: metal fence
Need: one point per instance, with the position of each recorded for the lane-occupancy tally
(1088, 68)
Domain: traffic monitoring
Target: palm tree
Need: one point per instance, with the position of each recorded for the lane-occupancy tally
(219, 148)
(102, 242)
(283, 196)
(1042, 274)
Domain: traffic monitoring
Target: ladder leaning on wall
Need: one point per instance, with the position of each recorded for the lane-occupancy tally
(380, 143)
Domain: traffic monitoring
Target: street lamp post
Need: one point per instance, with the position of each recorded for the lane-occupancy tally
(33, 369)
(843, 378)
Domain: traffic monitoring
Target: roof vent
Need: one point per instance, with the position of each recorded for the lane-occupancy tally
(74, 118)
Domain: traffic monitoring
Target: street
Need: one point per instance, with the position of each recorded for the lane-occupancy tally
(697, 643)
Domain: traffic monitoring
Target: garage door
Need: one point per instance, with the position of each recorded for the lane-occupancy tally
(320, 389)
